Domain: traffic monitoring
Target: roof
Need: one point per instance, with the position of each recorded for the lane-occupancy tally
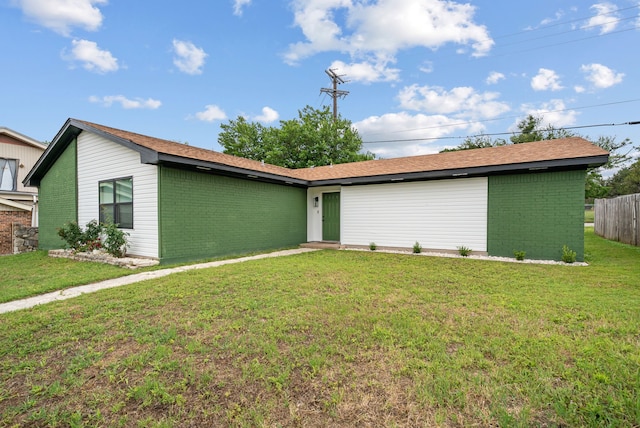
(22, 138)
(566, 153)
(540, 155)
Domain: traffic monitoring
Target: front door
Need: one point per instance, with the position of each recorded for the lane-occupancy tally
(331, 216)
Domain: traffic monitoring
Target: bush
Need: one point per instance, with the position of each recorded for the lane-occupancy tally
(417, 248)
(91, 236)
(115, 240)
(464, 251)
(72, 234)
(519, 255)
(568, 255)
(373, 246)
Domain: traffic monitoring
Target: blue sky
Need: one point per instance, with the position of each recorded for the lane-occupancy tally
(422, 74)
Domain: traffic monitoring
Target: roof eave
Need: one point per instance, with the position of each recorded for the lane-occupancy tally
(59, 143)
(554, 165)
(213, 167)
(70, 130)
(24, 138)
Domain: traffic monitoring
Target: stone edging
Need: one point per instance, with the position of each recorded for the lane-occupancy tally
(102, 257)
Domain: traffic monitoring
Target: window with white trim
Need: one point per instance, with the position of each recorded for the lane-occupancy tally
(8, 174)
(116, 202)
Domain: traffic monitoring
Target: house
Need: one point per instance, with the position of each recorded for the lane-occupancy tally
(180, 203)
(18, 203)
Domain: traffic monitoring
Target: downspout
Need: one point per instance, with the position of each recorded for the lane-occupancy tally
(34, 211)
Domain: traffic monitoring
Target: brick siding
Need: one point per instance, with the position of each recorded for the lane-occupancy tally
(6, 219)
(205, 215)
(58, 199)
(537, 213)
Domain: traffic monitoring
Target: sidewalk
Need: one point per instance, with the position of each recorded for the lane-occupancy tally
(68, 293)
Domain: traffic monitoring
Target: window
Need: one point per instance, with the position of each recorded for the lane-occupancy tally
(116, 202)
(8, 174)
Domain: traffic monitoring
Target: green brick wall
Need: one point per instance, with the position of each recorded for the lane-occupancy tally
(58, 199)
(537, 213)
(204, 215)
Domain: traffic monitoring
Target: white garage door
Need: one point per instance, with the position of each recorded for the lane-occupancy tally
(442, 214)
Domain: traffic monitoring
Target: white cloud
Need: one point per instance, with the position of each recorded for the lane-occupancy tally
(462, 101)
(211, 113)
(579, 89)
(601, 76)
(127, 103)
(546, 80)
(238, 5)
(367, 72)
(268, 115)
(188, 57)
(494, 77)
(557, 17)
(62, 15)
(605, 17)
(405, 126)
(426, 67)
(554, 113)
(365, 27)
(92, 57)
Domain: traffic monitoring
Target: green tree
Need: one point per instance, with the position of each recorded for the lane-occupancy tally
(312, 139)
(529, 129)
(626, 181)
(477, 142)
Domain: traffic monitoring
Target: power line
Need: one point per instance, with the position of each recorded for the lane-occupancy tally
(472, 122)
(497, 133)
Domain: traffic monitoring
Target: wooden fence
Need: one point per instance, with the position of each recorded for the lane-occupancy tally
(618, 219)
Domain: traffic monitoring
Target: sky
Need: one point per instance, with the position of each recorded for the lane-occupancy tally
(421, 75)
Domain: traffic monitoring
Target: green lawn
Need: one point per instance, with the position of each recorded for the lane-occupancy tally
(589, 216)
(29, 274)
(338, 338)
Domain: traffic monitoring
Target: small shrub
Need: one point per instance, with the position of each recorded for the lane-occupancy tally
(71, 234)
(373, 246)
(464, 251)
(91, 237)
(568, 255)
(115, 242)
(94, 237)
(519, 255)
(417, 248)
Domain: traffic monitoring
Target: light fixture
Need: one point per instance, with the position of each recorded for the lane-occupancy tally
(316, 201)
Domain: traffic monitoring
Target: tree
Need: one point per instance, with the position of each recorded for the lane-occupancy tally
(313, 139)
(477, 142)
(626, 181)
(529, 130)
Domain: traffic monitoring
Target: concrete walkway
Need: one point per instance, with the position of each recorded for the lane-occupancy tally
(130, 279)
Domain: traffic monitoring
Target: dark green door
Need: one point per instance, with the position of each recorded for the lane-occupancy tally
(331, 216)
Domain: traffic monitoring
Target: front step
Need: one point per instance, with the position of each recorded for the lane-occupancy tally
(322, 245)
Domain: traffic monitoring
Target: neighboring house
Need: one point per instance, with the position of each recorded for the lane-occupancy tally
(18, 204)
(179, 202)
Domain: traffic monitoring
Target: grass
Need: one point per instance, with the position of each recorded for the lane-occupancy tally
(589, 216)
(34, 273)
(31, 274)
(338, 338)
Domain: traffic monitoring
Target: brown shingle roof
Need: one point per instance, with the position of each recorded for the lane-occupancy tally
(190, 152)
(565, 149)
(540, 151)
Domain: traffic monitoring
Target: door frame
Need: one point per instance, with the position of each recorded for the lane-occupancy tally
(327, 199)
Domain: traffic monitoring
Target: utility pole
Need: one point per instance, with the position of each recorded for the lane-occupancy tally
(334, 92)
